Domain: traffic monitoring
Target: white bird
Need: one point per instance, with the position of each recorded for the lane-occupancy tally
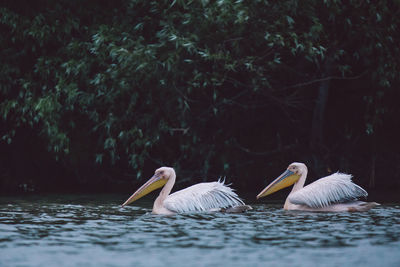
(335, 192)
(214, 196)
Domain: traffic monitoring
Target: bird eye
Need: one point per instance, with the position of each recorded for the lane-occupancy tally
(161, 172)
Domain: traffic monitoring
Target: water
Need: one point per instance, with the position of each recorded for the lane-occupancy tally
(94, 230)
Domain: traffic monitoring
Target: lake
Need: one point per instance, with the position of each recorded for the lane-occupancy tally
(93, 230)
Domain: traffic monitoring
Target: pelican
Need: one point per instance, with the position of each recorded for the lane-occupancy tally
(335, 192)
(214, 196)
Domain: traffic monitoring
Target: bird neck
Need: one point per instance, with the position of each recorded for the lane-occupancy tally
(166, 190)
(297, 186)
(300, 183)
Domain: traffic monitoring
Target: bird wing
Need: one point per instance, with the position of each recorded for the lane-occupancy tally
(203, 197)
(335, 188)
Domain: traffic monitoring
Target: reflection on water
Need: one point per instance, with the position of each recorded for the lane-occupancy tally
(95, 231)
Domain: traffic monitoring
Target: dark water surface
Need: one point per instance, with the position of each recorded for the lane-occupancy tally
(93, 230)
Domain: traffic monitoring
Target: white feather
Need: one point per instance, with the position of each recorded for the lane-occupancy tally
(202, 197)
(335, 188)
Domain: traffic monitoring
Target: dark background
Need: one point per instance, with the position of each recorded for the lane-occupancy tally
(95, 95)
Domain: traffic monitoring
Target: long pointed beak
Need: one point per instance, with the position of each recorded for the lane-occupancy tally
(152, 184)
(284, 180)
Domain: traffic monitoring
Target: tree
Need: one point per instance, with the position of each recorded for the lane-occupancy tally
(210, 87)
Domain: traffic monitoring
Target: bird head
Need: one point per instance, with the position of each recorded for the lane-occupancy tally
(287, 178)
(159, 179)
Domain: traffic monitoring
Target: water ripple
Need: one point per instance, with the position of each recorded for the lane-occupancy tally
(98, 232)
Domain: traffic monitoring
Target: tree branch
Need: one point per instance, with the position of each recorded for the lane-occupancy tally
(325, 79)
(266, 153)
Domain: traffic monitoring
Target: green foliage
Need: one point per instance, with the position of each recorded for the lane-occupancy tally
(193, 84)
